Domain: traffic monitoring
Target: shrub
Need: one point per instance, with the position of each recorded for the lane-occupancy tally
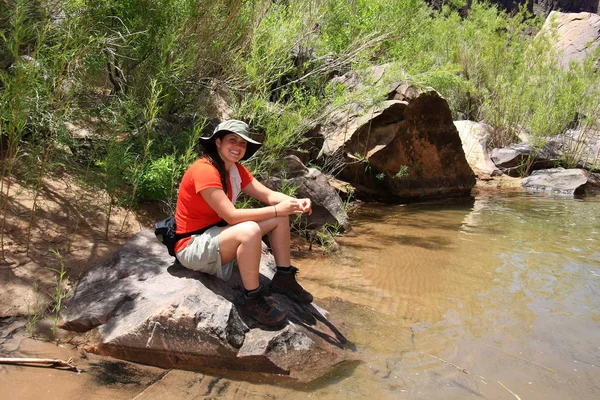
(158, 181)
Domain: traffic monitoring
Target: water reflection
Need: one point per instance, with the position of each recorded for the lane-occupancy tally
(508, 287)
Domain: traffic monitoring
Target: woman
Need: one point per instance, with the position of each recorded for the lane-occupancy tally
(206, 198)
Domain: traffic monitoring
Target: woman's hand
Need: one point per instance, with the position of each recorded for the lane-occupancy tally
(294, 206)
(306, 205)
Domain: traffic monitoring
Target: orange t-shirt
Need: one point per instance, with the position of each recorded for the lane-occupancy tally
(193, 212)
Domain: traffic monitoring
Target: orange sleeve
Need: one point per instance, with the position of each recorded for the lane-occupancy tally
(205, 176)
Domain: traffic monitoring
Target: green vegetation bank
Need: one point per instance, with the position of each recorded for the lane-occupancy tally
(138, 78)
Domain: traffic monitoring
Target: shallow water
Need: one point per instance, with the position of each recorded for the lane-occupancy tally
(494, 298)
(497, 298)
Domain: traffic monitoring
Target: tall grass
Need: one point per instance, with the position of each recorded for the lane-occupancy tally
(21, 42)
(136, 66)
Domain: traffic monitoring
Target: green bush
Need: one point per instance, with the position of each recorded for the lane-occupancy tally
(159, 179)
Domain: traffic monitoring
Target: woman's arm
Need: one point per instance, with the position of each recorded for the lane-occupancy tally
(218, 201)
(264, 194)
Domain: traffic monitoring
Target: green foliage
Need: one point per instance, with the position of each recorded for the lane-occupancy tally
(117, 166)
(35, 311)
(402, 172)
(134, 36)
(159, 178)
(60, 290)
(136, 67)
(282, 126)
(325, 237)
(270, 54)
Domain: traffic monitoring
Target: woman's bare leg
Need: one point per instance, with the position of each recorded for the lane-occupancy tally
(278, 230)
(284, 280)
(243, 241)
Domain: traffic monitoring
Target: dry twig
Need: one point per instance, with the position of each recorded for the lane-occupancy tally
(461, 369)
(521, 358)
(49, 362)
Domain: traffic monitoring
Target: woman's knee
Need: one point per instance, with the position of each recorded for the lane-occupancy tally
(249, 231)
(275, 223)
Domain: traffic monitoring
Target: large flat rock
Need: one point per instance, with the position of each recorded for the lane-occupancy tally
(142, 306)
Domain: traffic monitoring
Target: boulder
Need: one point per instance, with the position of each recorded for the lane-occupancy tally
(563, 182)
(404, 149)
(474, 137)
(327, 206)
(521, 158)
(216, 98)
(574, 148)
(142, 306)
(579, 148)
(575, 36)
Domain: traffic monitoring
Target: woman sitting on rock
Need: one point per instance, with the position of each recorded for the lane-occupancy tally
(206, 199)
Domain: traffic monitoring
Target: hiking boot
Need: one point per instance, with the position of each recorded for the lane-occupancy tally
(284, 282)
(258, 308)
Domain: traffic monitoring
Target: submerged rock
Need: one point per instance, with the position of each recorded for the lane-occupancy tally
(143, 307)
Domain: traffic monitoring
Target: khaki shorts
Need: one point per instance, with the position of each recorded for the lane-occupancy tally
(202, 254)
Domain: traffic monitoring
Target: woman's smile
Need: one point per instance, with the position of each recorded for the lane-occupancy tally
(231, 147)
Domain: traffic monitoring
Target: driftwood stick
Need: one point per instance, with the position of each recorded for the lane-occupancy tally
(50, 362)
(521, 358)
(461, 369)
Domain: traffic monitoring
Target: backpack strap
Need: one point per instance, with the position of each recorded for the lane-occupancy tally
(180, 236)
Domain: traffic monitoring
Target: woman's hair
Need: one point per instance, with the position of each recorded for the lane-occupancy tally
(215, 159)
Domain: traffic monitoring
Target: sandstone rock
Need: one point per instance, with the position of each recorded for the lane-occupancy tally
(575, 148)
(143, 307)
(545, 6)
(577, 35)
(474, 137)
(568, 5)
(217, 99)
(578, 148)
(327, 206)
(519, 159)
(407, 148)
(565, 182)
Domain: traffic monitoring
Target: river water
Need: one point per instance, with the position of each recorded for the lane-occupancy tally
(494, 297)
(497, 297)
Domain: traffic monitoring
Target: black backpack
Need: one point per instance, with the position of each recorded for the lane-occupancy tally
(166, 232)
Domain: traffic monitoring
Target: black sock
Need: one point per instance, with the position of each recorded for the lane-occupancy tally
(249, 293)
(284, 269)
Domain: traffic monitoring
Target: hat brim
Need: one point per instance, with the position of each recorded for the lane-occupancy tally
(209, 143)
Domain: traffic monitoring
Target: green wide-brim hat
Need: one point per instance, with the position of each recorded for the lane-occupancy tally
(240, 128)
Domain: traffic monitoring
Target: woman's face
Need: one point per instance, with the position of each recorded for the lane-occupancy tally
(231, 147)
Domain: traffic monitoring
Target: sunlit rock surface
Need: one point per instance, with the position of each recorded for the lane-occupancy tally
(564, 182)
(143, 307)
(475, 137)
(575, 36)
(405, 148)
